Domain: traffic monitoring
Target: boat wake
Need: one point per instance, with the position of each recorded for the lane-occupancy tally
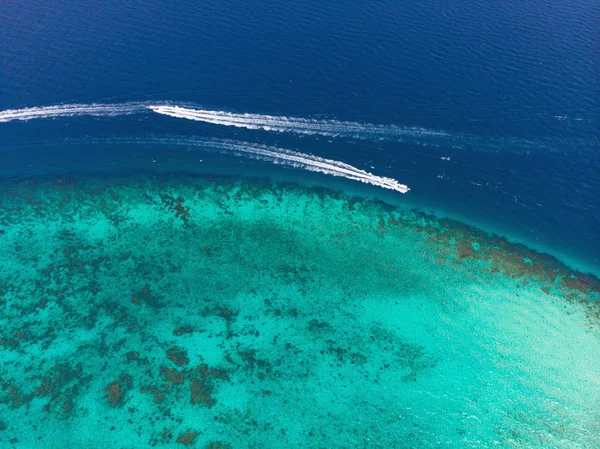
(279, 156)
(295, 125)
(71, 110)
(280, 124)
(250, 121)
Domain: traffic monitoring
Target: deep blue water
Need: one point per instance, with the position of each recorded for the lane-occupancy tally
(514, 85)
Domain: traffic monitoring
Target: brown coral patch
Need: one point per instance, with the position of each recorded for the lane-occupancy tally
(465, 249)
(254, 363)
(134, 356)
(172, 375)
(68, 402)
(226, 313)
(166, 434)
(218, 445)
(62, 383)
(181, 211)
(176, 205)
(182, 330)
(158, 395)
(188, 438)
(381, 227)
(218, 373)
(14, 396)
(9, 343)
(582, 282)
(117, 390)
(201, 392)
(115, 394)
(202, 384)
(205, 371)
(144, 296)
(178, 356)
(519, 262)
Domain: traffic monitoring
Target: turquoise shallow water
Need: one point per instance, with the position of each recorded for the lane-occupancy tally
(174, 311)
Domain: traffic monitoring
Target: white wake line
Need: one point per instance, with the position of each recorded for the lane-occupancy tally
(279, 124)
(70, 110)
(293, 124)
(285, 157)
(271, 154)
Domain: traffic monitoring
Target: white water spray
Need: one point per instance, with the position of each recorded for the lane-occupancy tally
(281, 156)
(71, 110)
(294, 125)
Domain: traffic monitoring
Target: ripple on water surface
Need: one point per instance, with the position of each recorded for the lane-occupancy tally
(176, 311)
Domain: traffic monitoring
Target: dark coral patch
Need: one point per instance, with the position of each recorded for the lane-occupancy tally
(218, 445)
(172, 375)
(117, 390)
(176, 206)
(182, 330)
(158, 395)
(166, 434)
(62, 384)
(144, 296)
(188, 438)
(226, 313)
(201, 391)
(115, 394)
(134, 356)
(178, 356)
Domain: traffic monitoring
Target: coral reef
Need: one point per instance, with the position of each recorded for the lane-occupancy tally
(217, 312)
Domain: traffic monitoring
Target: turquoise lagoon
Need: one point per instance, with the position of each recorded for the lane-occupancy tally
(172, 310)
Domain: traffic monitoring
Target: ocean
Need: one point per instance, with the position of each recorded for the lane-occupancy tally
(433, 122)
(514, 85)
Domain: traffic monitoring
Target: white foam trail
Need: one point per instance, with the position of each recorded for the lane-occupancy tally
(295, 125)
(315, 164)
(251, 121)
(285, 157)
(300, 126)
(70, 110)
(280, 124)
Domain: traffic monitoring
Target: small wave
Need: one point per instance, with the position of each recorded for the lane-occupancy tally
(294, 125)
(280, 156)
(71, 110)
